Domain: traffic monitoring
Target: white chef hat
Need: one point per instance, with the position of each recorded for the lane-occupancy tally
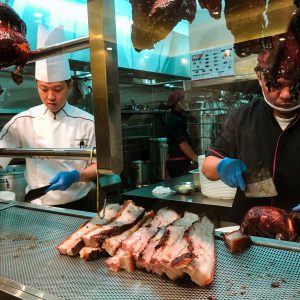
(54, 68)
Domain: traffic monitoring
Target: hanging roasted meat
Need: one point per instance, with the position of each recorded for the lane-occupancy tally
(14, 48)
(153, 20)
(214, 7)
(271, 222)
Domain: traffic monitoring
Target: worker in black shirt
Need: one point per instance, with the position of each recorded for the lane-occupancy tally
(180, 151)
(266, 129)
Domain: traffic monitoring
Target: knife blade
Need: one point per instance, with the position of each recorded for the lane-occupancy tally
(259, 182)
(36, 193)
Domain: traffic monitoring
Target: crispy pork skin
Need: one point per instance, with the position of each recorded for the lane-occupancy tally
(127, 217)
(236, 241)
(269, 222)
(202, 244)
(132, 247)
(72, 245)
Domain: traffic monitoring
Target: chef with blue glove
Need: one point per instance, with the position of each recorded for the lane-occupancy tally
(266, 129)
(54, 124)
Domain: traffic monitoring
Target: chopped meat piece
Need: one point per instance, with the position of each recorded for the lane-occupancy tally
(236, 241)
(127, 217)
(269, 222)
(123, 259)
(89, 253)
(72, 245)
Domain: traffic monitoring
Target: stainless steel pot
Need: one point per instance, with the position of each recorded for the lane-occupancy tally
(12, 179)
(139, 173)
(158, 152)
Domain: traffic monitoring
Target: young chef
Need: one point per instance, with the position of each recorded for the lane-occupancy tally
(269, 129)
(180, 151)
(53, 124)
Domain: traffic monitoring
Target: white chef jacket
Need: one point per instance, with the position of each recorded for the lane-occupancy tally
(38, 127)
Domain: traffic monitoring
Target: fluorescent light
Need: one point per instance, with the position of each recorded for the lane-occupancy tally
(38, 15)
(109, 48)
(184, 61)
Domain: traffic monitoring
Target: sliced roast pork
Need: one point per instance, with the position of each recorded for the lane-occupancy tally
(74, 243)
(144, 259)
(173, 244)
(133, 246)
(112, 244)
(202, 244)
(128, 216)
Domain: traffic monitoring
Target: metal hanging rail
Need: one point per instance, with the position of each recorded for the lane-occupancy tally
(60, 48)
(49, 153)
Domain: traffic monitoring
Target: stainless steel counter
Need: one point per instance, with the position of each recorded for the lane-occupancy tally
(216, 209)
(32, 268)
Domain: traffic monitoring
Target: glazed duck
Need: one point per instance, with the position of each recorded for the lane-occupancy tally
(14, 48)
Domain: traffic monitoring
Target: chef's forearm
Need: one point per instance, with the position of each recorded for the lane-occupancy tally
(89, 173)
(188, 151)
(209, 167)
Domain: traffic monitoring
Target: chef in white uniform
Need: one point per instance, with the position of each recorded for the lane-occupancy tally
(53, 124)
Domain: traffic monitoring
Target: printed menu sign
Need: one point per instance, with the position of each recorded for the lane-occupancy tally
(212, 63)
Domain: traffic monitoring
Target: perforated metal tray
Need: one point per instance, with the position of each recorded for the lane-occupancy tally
(28, 256)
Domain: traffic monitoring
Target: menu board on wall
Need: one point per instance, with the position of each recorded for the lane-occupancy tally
(212, 63)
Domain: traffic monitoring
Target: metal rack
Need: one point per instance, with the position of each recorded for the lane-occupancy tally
(31, 267)
(203, 125)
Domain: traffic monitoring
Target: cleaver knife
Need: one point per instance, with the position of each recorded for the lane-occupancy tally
(259, 182)
(36, 193)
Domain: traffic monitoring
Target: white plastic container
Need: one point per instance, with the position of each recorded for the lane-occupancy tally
(214, 189)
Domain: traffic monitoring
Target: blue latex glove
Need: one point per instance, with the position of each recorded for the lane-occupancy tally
(296, 208)
(63, 180)
(231, 172)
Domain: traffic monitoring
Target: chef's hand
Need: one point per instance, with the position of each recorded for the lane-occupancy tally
(231, 172)
(64, 180)
(296, 208)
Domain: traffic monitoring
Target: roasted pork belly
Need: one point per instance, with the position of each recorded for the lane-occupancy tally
(72, 245)
(202, 244)
(127, 217)
(111, 245)
(131, 248)
(173, 244)
(139, 240)
(145, 257)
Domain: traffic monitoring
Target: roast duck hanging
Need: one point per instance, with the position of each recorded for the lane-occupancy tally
(14, 48)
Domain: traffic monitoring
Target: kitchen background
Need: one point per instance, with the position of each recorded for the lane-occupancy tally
(146, 78)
